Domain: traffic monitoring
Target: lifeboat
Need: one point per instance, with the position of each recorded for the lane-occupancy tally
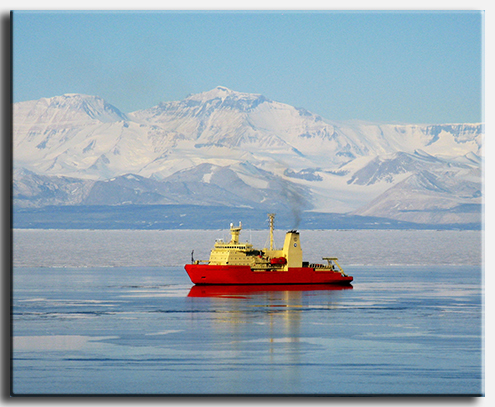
(278, 260)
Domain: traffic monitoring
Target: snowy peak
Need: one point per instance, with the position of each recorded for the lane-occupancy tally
(203, 105)
(220, 92)
(71, 107)
(93, 106)
(225, 118)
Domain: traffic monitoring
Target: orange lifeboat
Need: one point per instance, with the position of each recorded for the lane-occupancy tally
(278, 260)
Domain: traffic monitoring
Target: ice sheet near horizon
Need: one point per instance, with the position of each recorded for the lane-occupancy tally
(134, 248)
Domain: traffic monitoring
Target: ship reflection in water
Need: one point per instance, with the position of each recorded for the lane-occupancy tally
(239, 291)
(271, 329)
(246, 303)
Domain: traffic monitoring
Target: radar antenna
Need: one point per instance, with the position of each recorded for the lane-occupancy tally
(271, 219)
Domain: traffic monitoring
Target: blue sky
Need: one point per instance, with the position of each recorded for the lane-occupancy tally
(412, 67)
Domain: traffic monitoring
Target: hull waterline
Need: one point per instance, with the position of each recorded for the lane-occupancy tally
(204, 274)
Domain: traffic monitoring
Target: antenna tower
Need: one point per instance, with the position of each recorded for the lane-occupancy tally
(271, 218)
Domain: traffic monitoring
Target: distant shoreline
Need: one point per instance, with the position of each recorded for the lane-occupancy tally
(183, 217)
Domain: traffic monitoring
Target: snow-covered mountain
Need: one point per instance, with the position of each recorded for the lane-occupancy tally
(224, 147)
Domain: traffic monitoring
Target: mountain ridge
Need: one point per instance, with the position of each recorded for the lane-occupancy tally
(240, 146)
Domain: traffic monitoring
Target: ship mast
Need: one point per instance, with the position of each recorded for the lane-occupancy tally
(271, 217)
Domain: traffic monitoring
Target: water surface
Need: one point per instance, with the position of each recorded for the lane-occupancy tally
(147, 330)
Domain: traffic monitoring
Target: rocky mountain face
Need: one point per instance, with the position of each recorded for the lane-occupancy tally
(227, 148)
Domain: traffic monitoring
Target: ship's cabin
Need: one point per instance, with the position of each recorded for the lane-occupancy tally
(221, 244)
(243, 254)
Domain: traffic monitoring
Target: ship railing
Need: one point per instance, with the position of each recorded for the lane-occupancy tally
(334, 265)
(317, 266)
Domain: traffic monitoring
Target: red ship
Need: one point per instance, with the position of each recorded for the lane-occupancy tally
(239, 263)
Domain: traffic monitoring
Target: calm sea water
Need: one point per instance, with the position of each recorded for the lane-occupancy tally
(94, 325)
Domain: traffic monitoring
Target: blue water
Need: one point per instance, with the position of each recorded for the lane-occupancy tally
(143, 330)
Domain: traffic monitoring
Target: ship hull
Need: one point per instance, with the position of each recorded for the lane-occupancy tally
(205, 274)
